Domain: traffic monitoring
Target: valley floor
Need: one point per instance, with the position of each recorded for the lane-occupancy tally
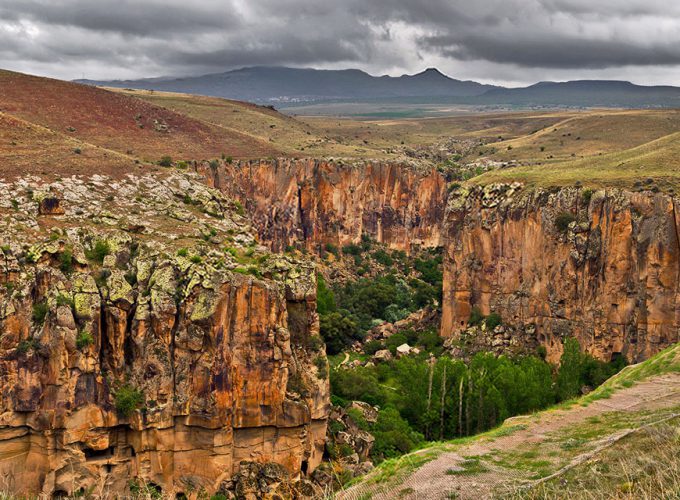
(536, 456)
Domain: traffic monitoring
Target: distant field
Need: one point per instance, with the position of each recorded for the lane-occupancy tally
(44, 122)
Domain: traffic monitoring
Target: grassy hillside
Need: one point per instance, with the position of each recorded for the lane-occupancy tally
(120, 123)
(262, 123)
(551, 454)
(618, 148)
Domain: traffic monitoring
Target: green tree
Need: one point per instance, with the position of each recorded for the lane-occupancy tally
(569, 374)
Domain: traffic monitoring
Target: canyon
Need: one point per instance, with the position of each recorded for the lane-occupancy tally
(609, 277)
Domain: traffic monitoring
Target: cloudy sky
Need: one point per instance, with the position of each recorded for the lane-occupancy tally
(509, 42)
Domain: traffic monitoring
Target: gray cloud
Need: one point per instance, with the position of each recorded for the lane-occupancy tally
(512, 41)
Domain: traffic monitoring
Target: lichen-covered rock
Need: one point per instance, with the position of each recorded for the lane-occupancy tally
(153, 358)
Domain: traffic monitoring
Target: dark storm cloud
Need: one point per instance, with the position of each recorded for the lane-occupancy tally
(134, 38)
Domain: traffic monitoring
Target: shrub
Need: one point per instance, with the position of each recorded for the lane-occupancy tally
(373, 346)
(338, 330)
(321, 366)
(358, 417)
(586, 196)
(182, 252)
(330, 248)
(65, 300)
(165, 161)
(66, 262)
(40, 311)
(325, 298)
(476, 317)
(239, 208)
(27, 345)
(395, 341)
(128, 399)
(383, 258)
(393, 435)
(493, 320)
(563, 220)
(97, 253)
(352, 249)
(84, 339)
(195, 259)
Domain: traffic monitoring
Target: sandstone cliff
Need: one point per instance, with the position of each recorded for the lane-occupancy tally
(317, 202)
(603, 266)
(135, 347)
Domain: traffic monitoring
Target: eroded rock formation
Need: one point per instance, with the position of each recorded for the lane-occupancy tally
(134, 347)
(312, 202)
(602, 266)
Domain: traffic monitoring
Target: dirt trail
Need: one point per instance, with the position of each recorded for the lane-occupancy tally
(435, 479)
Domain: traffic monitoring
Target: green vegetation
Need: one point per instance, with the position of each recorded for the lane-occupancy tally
(563, 220)
(40, 310)
(165, 161)
(448, 399)
(66, 262)
(97, 253)
(128, 399)
(84, 339)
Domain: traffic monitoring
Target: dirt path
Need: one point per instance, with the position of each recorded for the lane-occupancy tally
(498, 461)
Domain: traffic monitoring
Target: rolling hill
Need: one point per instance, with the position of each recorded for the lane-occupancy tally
(97, 118)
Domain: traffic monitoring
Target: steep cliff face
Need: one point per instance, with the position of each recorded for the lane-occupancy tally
(134, 347)
(602, 266)
(317, 202)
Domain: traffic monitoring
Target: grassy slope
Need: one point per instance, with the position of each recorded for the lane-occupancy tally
(264, 124)
(120, 123)
(614, 149)
(532, 460)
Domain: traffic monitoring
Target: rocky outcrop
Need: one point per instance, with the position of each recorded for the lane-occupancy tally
(602, 266)
(313, 203)
(148, 340)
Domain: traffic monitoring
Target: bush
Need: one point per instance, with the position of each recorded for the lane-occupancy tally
(476, 317)
(358, 417)
(325, 298)
(586, 196)
(40, 311)
(330, 248)
(338, 330)
(321, 366)
(66, 262)
(563, 220)
(97, 253)
(382, 257)
(195, 259)
(493, 320)
(65, 300)
(165, 161)
(128, 399)
(393, 435)
(395, 341)
(568, 382)
(84, 339)
(373, 346)
(352, 249)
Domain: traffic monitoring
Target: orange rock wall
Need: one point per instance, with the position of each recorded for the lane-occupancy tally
(317, 202)
(611, 279)
(215, 369)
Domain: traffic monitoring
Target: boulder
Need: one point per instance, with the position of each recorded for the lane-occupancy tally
(382, 356)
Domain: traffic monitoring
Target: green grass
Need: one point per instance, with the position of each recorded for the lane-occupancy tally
(658, 159)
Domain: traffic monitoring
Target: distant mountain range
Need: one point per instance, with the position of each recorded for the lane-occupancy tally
(284, 86)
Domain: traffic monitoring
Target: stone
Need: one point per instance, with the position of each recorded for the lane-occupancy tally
(382, 356)
(403, 350)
